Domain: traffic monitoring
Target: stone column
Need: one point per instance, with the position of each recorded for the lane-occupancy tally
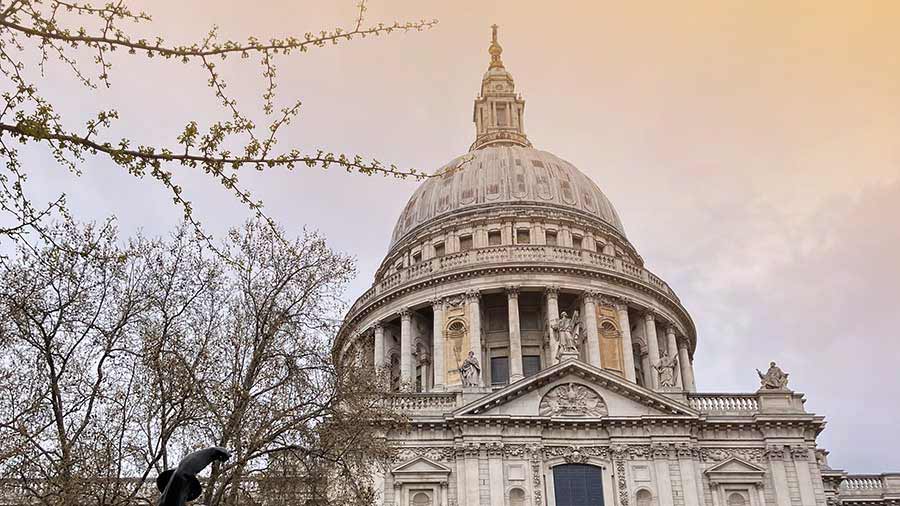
(652, 348)
(800, 456)
(405, 350)
(495, 469)
(474, 300)
(645, 367)
(590, 322)
(672, 351)
(378, 332)
(461, 475)
(663, 478)
(440, 369)
(552, 294)
(627, 344)
(687, 368)
(473, 481)
(515, 335)
(779, 475)
(691, 489)
(445, 493)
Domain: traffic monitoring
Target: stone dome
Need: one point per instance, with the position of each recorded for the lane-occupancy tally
(504, 176)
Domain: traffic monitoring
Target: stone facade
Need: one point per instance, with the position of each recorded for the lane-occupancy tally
(581, 364)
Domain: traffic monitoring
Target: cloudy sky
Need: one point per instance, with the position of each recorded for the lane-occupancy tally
(751, 148)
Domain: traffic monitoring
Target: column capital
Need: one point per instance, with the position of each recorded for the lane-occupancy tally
(473, 295)
(405, 313)
(683, 343)
(607, 300)
(551, 291)
(591, 296)
(621, 303)
(512, 291)
(437, 303)
(775, 452)
(650, 315)
(378, 326)
(670, 329)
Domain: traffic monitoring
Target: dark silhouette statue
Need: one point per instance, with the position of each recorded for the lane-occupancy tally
(180, 485)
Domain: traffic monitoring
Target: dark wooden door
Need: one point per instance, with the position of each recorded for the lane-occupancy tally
(578, 485)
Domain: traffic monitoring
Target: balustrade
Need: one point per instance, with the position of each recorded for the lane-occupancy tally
(518, 253)
(741, 404)
(862, 482)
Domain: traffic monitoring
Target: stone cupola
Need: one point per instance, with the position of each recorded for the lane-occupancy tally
(499, 112)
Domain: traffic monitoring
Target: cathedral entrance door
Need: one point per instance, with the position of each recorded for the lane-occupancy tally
(578, 485)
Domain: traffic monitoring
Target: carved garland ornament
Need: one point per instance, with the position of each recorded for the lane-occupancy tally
(573, 399)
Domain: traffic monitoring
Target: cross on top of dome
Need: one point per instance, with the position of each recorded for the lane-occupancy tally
(499, 111)
(495, 50)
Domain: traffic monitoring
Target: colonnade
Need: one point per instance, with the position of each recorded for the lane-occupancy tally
(673, 344)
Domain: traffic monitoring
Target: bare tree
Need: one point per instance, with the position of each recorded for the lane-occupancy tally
(69, 362)
(84, 38)
(120, 358)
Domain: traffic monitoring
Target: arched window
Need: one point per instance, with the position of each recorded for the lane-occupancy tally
(421, 499)
(737, 499)
(644, 498)
(517, 497)
(577, 484)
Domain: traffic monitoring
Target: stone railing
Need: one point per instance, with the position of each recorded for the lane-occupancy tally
(725, 404)
(862, 482)
(518, 254)
(423, 403)
(870, 488)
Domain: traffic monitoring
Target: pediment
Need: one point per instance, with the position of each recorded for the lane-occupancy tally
(420, 466)
(734, 466)
(575, 390)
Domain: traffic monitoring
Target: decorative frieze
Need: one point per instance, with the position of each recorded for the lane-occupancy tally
(720, 454)
(435, 453)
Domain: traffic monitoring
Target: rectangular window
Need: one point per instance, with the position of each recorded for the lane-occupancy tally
(417, 257)
(494, 238)
(529, 319)
(439, 249)
(502, 119)
(523, 236)
(551, 237)
(577, 241)
(531, 365)
(465, 243)
(499, 370)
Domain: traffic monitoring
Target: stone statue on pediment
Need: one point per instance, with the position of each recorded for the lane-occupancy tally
(666, 369)
(773, 379)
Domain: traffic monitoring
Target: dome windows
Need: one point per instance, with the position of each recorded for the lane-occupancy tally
(523, 236)
(465, 242)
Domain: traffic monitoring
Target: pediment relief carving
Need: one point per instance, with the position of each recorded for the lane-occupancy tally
(573, 399)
